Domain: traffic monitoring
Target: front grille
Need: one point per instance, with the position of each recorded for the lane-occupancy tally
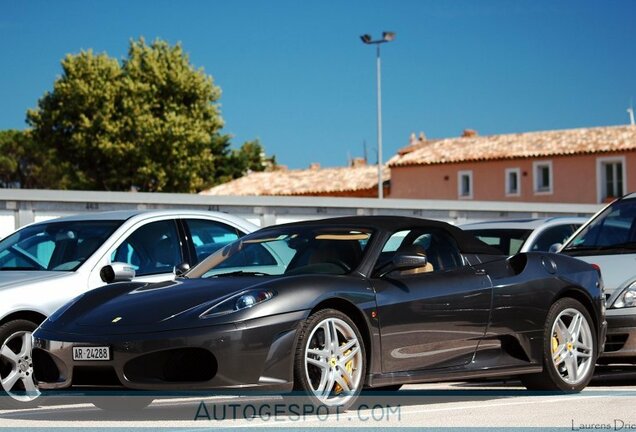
(95, 376)
(44, 368)
(176, 365)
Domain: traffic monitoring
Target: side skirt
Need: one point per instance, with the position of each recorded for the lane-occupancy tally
(414, 377)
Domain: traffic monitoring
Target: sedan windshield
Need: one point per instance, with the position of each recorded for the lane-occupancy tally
(612, 230)
(58, 246)
(290, 251)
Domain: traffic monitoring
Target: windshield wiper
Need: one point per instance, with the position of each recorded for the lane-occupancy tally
(617, 246)
(241, 273)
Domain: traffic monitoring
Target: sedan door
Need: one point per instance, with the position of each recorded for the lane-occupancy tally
(433, 318)
(152, 247)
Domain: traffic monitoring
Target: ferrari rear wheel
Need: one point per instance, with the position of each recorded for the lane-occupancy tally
(569, 349)
(330, 363)
(16, 365)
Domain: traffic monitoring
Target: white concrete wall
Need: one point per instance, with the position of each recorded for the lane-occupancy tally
(19, 207)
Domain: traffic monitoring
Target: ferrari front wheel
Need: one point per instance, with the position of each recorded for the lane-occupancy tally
(569, 349)
(330, 362)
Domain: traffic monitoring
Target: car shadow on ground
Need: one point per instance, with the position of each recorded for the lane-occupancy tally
(261, 409)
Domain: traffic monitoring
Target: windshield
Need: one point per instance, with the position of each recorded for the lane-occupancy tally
(59, 246)
(614, 228)
(508, 241)
(294, 250)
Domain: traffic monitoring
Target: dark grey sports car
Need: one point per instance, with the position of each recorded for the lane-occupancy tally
(331, 307)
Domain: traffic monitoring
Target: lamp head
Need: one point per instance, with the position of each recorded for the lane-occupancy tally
(366, 38)
(388, 36)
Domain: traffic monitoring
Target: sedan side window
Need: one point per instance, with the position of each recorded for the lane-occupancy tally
(209, 236)
(556, 234)
(152, 249)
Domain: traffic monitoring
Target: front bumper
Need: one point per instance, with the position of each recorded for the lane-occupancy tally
(620, 345)
(252, 354)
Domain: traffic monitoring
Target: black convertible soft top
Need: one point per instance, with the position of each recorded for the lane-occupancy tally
(467, 243)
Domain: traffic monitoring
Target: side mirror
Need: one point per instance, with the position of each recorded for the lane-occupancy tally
(117, 272)
(405, 260)
(408, 260)
(181, 269)
(555, 247)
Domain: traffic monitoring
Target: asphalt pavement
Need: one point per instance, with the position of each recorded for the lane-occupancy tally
(607, 404)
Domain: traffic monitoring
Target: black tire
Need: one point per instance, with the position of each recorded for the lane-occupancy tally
(122, 403)
(552, 377)
(304, 385)
(12, 335)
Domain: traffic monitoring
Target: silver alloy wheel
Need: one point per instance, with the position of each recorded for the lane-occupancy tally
(333, 362)
(572, 346)
(16, 353)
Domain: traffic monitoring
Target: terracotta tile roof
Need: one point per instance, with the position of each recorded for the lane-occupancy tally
(303, 182)
(520, 145)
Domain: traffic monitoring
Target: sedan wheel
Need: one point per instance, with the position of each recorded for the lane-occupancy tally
(330, 361)
(569, 349)
(16, 365)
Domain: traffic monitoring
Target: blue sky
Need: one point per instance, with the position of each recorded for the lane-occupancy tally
(296, 75)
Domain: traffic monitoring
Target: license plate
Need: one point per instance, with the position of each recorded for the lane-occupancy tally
(91, 353)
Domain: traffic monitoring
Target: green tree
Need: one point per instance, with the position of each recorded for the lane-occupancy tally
(248, 158)
(78, 120)
(151, 123)
(252, 156)
(25, 164)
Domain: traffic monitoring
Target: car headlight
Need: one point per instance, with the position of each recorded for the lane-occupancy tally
(627, 297)
(240, 301)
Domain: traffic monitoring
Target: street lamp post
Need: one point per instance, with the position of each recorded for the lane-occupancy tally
(367, 39)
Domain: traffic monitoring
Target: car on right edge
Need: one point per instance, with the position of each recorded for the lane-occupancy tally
(608, 240)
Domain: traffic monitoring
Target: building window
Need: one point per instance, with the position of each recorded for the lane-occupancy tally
(513, 178)
(542, 177)
(465, 184)
(610, 175)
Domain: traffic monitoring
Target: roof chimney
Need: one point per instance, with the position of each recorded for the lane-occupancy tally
(314, 166)
(469, 133)
(412, 139)
(630, 110)
(422, 137)
(358, 162)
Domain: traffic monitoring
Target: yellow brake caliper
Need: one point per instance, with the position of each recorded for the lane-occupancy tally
(349, 368)
(555, 344)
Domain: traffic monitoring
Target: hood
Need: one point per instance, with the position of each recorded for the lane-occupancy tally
(11, 279)
(617, 270)
(133, 307)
